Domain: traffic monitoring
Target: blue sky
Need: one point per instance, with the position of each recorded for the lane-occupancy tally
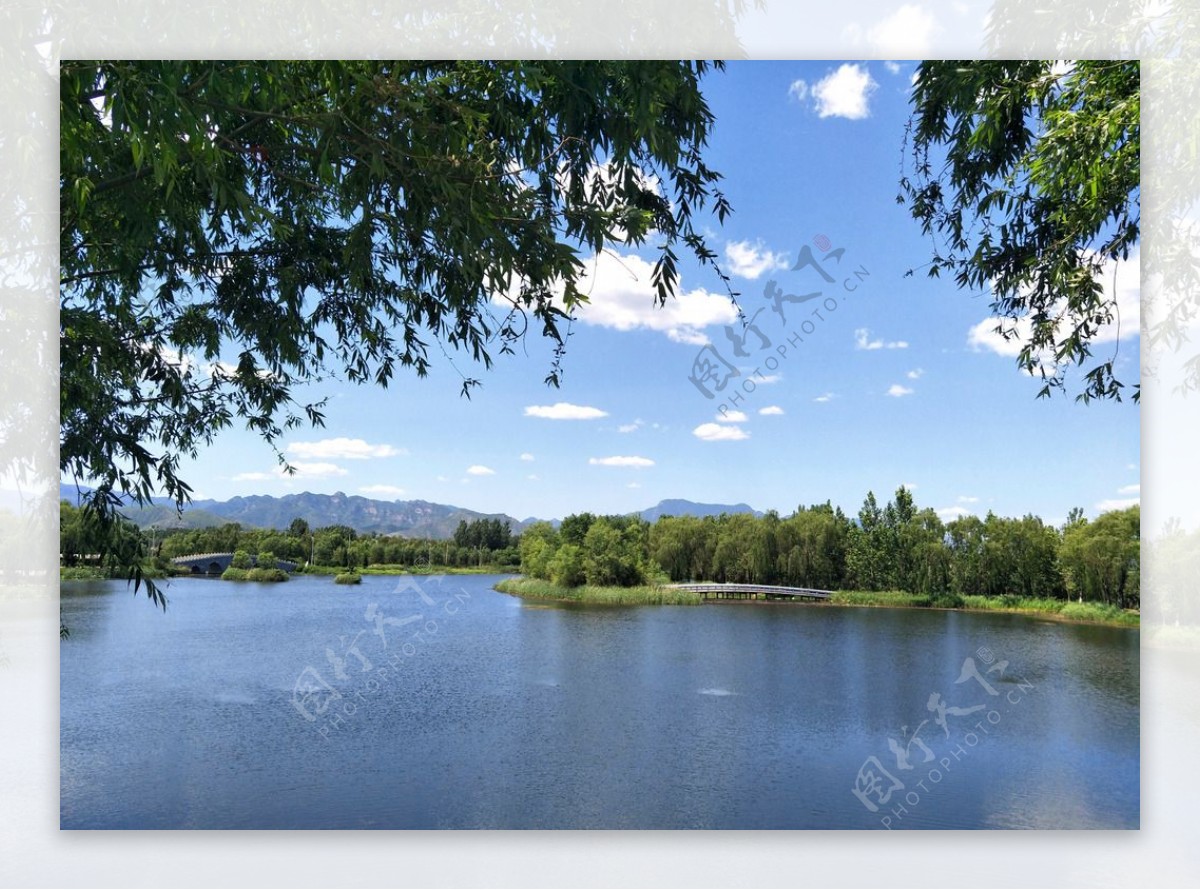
(901, 383)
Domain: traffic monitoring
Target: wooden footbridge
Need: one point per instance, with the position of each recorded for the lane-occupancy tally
(752, 592)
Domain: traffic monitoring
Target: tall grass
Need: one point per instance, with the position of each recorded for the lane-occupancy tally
(533, 588)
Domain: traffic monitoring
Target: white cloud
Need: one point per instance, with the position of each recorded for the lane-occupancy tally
(480, 470)
(984, 335)
(905, 34)
(254, 477)
(317, 470)
(630, 427)
(620, 461)
(946, 514)
(1130, 489)
(844, 92)
(896, 390)
(915, 374)
(732, 417)
(798, 90)
(715, 432)
(526, 456)
(763, 379)
(967, 499)
(621, 296)
(389, 490)
(770, 410)
(634, 485)
(892, 67)
(1117, 504)
(827, 397)
(343, 448)
(564, 411)
(862, 340)
(748, 260)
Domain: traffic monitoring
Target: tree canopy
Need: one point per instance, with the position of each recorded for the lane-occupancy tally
(1027, 174)
(231, 230)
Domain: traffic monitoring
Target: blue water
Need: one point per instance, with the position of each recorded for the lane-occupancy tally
(440, 703)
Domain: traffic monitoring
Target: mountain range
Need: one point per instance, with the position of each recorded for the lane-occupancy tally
(413, 519)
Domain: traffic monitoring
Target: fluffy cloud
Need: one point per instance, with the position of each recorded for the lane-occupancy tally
(905, 34)
(862, 340)
(621, 296)
(733, 417)
(630, 427)
(526, 456)
(770, 410)
(1127, 296)
(620, 461)
(254, 477)
(564, 411)
(342, 448)
(967, 499)
(946, 514)
(844, 92)
(716, 432)
(798, 90)
(480, 470)
(317, 470)
(387, 490)
(303, 470)
(826, 397)
(897, 391)
(1117, 504)
(748, 260)
(915, 374)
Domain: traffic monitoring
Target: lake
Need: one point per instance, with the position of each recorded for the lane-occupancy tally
(437, 702)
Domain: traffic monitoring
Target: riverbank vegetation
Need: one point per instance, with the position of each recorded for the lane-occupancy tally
(894, 554)
(477, 545)
(883, 555)
(641, 595)
(1091, 613)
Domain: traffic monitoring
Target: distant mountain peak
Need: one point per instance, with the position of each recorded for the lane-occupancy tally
(681, 507)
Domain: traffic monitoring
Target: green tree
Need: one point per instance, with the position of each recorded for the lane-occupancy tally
(566, 568)
(241, 560)
(1100, 559)
(231, 230)
(538, 545)
(1029, 173)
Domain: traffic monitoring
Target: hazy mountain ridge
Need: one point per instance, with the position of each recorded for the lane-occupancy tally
(413, 519)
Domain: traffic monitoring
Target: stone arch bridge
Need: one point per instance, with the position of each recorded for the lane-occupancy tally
(216, 563)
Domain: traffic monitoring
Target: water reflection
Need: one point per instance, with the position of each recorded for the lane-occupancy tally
(518, 715)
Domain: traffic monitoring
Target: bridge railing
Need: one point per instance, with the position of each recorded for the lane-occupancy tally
(768, 589)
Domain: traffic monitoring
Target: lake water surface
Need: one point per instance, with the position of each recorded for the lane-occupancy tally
(440, 703)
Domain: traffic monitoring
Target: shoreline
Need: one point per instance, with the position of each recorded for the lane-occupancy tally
(1077, 613)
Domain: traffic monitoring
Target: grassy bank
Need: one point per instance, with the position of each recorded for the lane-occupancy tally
(1063, 610)
(531, 588)
(102, 573)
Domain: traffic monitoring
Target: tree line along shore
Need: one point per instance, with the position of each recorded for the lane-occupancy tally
(896, 554)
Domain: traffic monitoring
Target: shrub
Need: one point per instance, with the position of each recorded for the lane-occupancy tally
(348, 578)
